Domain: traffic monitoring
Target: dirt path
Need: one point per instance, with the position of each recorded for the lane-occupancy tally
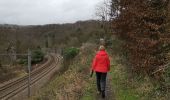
(109, 89)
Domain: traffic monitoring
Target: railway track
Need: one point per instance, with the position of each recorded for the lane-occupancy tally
(9, 90)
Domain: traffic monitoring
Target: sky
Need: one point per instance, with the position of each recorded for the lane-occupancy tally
(39, 12)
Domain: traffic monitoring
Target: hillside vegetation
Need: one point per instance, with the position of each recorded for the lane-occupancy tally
(18, 39)
(46, 36)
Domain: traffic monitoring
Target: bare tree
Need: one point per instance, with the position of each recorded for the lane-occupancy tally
(103, 10)
(115, 9)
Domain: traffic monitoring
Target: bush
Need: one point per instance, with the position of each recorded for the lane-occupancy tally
(36, 57)
(70, 53)
(145, 33)
(23, 61)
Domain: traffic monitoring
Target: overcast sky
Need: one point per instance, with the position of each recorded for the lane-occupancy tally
(33, 12)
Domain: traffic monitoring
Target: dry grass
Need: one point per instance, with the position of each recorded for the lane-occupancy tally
(9, 72)
(71, 84)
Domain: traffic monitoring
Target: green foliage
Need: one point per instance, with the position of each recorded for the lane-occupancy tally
(23, 61)
(36, 57)
(124, 91)
(167, 78)
(70, 53)
(89, 92)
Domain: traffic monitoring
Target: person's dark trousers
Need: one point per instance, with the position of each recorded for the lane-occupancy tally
(101, 81)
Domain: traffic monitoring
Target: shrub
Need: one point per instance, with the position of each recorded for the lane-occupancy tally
(23, 61)
(36, 57)
(70, 53)
(142, 25)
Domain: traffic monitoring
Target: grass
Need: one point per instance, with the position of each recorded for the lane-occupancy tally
(69, 84)
(133, 87)
(76, 83)
(90, 90)
(124, 87)
(120, 83)
(10, 72)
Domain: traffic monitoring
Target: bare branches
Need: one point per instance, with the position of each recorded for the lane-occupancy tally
(103, 10)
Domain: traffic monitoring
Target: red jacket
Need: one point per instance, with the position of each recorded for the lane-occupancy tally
(101, 62)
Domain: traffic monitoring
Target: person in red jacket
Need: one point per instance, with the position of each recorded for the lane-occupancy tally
(101, 65)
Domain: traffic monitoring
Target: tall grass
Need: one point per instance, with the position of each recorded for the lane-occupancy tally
(70, 84)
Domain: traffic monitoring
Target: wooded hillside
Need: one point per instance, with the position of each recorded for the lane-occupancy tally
(46, 36)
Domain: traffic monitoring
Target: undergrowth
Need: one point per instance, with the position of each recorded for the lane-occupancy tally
(71, 84)
(76, 84)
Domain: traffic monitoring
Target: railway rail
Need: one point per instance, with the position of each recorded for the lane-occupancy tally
(9, 90)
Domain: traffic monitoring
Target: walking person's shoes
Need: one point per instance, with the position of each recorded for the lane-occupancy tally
(103, 94)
